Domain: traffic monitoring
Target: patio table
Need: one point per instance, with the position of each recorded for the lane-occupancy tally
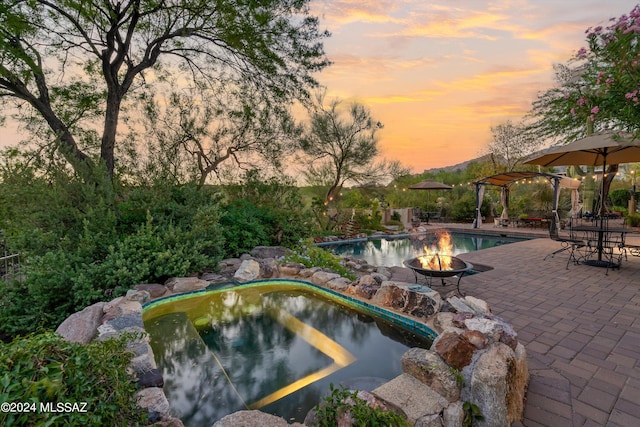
(606, 240)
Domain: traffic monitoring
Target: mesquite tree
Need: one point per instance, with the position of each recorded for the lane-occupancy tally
(511, 144)
(341, 144)
(76, 65)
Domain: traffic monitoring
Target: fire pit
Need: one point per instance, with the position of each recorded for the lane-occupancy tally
(439, 266)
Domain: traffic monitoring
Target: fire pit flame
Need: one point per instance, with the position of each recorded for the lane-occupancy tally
(440, 256)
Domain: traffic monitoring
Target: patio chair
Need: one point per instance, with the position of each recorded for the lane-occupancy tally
(570, 244)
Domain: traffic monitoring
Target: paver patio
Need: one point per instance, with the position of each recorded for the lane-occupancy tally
(580, 326)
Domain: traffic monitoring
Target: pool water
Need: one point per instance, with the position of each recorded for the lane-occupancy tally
(391, 252)
(268, 348)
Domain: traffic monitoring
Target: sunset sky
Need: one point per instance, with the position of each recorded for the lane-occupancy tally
(439, 74)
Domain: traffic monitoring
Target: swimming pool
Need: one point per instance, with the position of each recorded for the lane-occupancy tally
(274, 346)
(391, 252)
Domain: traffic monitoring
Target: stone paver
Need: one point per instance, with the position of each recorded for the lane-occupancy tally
(580, 327)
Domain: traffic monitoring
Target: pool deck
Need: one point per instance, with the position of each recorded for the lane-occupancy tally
(580, 326)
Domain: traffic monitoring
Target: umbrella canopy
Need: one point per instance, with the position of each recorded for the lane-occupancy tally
(594, 150)
(430, 185)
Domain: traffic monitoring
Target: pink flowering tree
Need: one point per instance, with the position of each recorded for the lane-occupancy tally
(598, 89)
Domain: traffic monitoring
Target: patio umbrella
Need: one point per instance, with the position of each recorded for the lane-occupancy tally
(594, 150)
(430, 185)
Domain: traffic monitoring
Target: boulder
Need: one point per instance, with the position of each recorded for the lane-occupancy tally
(478, 339)
(306, 273)
(248, 270)
(322, 277)
(126, 322)
(185, 284)
(253, 419)
(136, 295)
(151, 378)
(365, 289)
(82, 326)
(496, 329)
(430, 369)
(154, 401)
(290, 269)
(339, 284)
(458, 319)
(459, 305)
(455, 349)
(453, 415)
(442, 321)
(120, 307)
(268, 268)
(264, 252)
(415, 398)
(155, 290)
(400, 297)
(384, 272)
(492, 385)
(434, 420)
(480, 307)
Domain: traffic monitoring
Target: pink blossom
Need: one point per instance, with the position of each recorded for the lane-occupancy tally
(567, 95)
(635, 99)
(573, 112)
(592, 118)
(581, 101)
(595, 110)
(582, 53)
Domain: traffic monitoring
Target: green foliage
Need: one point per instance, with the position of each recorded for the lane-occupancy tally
(342, 401)
(458, 376)
(46, 368)
(622, 209)
(310, 255)
(465, 207)
(472, 414)
(620, 197)
(77, 248)
(633, 220)
(395, 216)
(371, 219)
(278, 43)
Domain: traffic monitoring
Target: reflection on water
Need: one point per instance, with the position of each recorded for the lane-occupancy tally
(392, 252)
(249, 350)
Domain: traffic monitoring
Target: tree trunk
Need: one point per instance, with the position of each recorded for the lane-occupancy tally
(609, 175)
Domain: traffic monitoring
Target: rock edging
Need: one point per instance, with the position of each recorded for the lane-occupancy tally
(476, 358)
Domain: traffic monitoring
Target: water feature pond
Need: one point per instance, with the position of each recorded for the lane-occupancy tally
(391, 252)
(275, 346)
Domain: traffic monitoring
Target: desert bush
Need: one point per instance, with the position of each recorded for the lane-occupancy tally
(311, 255)
(620, 197)
(341, 401)
(633, 220)
(46, 368)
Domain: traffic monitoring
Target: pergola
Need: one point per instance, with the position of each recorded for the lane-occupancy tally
(506, 179)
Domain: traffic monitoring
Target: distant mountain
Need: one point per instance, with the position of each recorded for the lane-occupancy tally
(459, 166)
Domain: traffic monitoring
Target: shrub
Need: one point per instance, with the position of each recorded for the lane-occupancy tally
(619, 197)
(341, 401)
(310, 255)
(46, 368)
(63, 281)
(633, 220)
(246, 225)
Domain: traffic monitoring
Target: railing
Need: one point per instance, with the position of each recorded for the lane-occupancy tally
(9, 266)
